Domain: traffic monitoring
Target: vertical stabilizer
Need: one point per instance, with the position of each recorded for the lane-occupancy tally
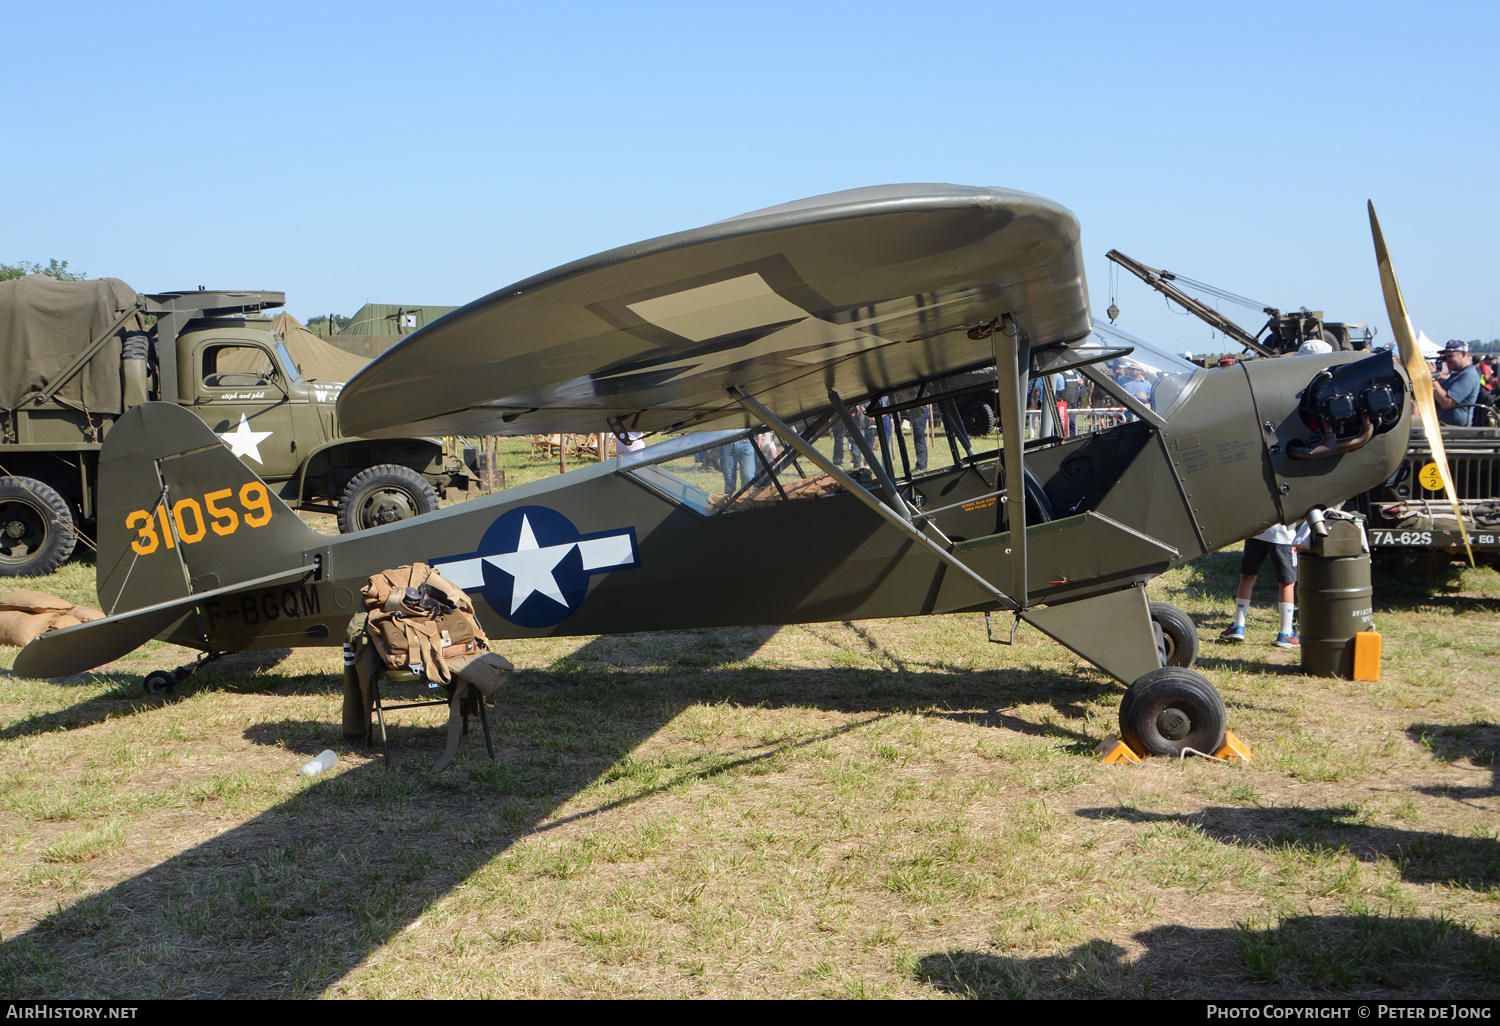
(179, 513)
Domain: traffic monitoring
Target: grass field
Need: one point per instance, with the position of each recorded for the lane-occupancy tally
(871, 809)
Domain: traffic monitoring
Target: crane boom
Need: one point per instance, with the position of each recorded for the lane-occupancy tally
(1161, 282)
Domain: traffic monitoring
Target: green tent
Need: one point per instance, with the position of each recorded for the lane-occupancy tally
(378, 326)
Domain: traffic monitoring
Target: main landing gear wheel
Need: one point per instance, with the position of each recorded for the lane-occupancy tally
(1171, 709)
(160, 682)
(36, 528)
(384, 495)
(1179, 635)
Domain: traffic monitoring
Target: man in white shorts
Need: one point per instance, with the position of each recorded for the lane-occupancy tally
(1279, 543)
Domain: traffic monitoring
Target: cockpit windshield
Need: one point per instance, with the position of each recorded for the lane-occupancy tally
(1151, 374)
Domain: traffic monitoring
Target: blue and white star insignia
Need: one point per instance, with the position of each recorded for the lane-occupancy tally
(533, 566)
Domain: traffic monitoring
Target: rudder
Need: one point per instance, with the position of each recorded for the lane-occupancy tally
(180, 514)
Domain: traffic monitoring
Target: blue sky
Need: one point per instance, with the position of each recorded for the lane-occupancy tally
(434, 152)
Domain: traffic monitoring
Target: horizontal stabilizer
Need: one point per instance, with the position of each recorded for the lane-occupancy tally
(87, 645)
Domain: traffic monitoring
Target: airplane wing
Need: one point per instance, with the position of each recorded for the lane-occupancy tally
(859, 292)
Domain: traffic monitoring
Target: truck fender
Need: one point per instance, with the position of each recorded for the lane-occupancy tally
(423, 455)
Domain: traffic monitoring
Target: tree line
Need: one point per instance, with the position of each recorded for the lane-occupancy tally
(54, 268)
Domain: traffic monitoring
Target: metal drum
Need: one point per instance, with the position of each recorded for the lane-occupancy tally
(1334, 598)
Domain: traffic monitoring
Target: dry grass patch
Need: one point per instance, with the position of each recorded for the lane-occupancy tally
(879, 809)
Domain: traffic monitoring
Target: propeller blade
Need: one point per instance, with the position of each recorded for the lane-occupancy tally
(1416, 369)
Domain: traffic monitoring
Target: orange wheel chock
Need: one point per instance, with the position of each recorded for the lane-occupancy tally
(1234, 749)
(1112, 749)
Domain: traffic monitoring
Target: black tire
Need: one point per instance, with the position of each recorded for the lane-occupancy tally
(384, 495)
(1178, 632)
(159, 682)
(1170, 709)
(979, 419)
(37, 533)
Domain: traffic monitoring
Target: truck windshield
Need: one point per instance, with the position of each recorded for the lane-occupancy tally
(292, 370)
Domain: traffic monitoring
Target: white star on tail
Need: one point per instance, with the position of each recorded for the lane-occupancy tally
(531, 566)
(244, 442)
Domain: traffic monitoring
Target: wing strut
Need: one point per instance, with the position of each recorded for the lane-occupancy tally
(1013, 352)
(877, 467)
(854, 488)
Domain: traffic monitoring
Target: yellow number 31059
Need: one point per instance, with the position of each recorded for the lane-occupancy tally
(187, 516)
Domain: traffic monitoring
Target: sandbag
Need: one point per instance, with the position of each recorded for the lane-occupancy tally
(24, 615)
(25, 601)
(18, 628)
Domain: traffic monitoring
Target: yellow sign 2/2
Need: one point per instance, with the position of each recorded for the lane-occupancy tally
(187, 516)
(1431, 477)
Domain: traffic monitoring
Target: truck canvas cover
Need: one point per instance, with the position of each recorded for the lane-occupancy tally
(45, 325)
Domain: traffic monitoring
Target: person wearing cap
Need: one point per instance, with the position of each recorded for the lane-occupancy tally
(1135, 382)
(1456, 393)
(1315, 345)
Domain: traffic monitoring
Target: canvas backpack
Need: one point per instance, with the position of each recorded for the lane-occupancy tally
(419, 620)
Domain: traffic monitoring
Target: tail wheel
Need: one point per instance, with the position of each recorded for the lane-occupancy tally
(1178, 633)
(159, 682)
(383, 495)
(1171, 709)
(37, 534)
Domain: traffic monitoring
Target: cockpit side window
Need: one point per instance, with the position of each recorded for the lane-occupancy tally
(721, 472)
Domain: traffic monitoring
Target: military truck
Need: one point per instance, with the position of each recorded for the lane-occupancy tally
(74, 356)
(1411, 521)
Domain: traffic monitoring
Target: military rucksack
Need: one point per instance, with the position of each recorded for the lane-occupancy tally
(419, 620)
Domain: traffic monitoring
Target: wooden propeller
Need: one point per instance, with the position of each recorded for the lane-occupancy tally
(1416, 369)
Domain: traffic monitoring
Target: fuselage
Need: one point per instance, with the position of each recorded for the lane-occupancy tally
(638, 544)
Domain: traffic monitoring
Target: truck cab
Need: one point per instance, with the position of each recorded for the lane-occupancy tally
(85, 352)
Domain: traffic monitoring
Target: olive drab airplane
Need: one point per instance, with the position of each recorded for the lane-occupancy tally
(742, 344)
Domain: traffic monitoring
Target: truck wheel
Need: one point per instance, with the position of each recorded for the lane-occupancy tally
(979, 419)
(36, 528)
(384, 495)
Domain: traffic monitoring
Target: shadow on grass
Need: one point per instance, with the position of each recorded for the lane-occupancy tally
(1428, 583)
(1412, 957)
(1421, 856)
(705, 648)
(1419, 585)
(1244, 664)
(1475, 743)
(240, 672)
(291, 901)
